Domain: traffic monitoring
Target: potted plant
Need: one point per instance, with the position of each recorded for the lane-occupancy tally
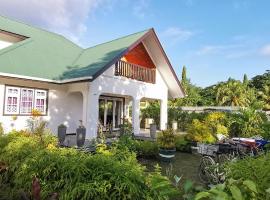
(166, 142)
(80, 134)
(61, 133)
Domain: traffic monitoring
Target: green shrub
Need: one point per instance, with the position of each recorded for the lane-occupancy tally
(231, 190)
(254, 169)
(247, 123)
(182, 144)
(200, 132)
(74, 174)
(1, 129)
(146, 149)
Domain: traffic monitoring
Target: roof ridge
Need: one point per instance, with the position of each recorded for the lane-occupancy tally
(116, 39)
(39, 29)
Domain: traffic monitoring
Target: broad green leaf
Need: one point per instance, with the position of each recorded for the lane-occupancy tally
(251, 185)
(202, 195)
(236, 193)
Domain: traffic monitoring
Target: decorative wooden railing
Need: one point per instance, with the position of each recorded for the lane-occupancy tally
(134, 71)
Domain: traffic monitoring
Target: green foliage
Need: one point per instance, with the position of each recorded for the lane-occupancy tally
(235, 93)
(182, 144)
(166, 140)
(184, 76)
(245, 80)
(160, 185)
(247, 123)
(231, 190)
(146, 149)
(190, 190)
(1, 129)
(254, 169)
(207, 129)
(74, 174)
(151, 111)
(183, 118)
(260, 81)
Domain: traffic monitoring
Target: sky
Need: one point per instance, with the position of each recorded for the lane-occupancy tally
(214, 39)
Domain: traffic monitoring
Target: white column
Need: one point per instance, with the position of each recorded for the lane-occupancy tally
(92, 115)
(85, 105)
(136, 115)
(163, 114)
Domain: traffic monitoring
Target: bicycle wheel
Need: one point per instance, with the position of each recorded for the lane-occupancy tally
(207, 170)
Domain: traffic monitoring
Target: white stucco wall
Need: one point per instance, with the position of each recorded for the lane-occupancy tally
(109, 84)
(65, 104)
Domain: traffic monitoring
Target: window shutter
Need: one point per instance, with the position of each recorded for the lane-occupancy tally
(12, 97)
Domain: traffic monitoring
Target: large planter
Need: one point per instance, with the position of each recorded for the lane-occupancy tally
(61, 133)
(153, 131)
(80, 135)
(167, 154)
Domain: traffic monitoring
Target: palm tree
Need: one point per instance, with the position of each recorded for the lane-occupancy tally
(233, 93)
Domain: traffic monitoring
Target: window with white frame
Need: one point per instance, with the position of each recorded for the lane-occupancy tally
(23, 100)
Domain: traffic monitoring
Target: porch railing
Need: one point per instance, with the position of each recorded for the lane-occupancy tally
(136, 72)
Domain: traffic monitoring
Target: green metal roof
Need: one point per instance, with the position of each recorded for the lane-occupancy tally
(51, 56)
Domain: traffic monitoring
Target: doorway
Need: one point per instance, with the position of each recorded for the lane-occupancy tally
(111, 112)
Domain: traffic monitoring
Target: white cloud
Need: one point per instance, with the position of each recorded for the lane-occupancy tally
(177, 34)
(67, 17)
(218, 49)
(140, 8)
(265, 50)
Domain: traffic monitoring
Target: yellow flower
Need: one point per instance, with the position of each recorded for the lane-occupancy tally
(51, 146)
(35, 113)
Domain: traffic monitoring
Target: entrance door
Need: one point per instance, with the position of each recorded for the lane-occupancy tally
(110, 112)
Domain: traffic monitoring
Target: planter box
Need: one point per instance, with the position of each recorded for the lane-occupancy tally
(167, 154)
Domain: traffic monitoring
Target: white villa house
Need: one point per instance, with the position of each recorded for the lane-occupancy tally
(66, 83)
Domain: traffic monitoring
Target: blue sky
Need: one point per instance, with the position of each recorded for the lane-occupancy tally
(214, 39)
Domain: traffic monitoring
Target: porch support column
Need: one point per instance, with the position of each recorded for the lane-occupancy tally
(163, 114)
(92, 113)
(136, 115)
(85, 103)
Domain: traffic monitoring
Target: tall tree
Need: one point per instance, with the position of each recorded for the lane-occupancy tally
(245, 79)
(184, 76)
(234, 93)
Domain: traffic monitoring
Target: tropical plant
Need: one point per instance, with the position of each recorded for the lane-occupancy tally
(151, 111)
(146, 149)
(234, 93)
(182, 143)
(199, 132)
(254, 169)
(166, 139)
(73, 174)
(264, 95)
(231, 190)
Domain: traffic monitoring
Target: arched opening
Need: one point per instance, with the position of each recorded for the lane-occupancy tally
(74, 107)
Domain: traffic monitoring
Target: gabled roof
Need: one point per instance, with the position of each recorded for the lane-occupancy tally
(50, 56)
